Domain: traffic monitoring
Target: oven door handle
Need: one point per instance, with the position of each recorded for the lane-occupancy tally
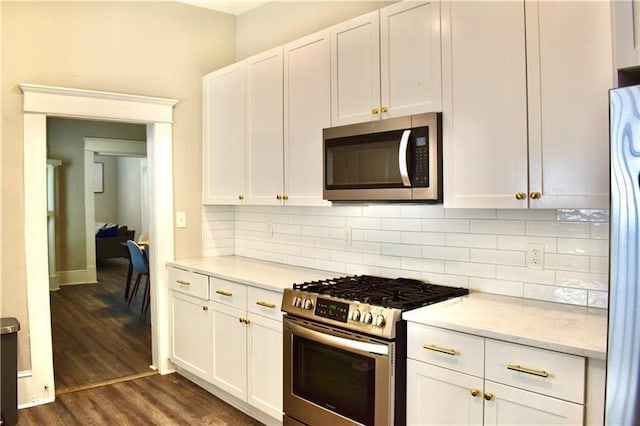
(339, 342)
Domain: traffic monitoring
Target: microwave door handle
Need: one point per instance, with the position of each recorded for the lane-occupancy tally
(402, 157)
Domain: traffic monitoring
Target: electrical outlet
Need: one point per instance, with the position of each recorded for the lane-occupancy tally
(535, 256)
(270, 230)
(181, 219)
(347, 235)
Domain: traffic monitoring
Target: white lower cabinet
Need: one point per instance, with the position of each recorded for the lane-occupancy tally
(517, 385)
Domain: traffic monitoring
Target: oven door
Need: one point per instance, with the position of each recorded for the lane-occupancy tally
(333, 377)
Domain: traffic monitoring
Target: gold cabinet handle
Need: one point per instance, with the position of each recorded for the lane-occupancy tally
(488, 396)
(241, 319)
(374, 111)
(383, 109)
(247, 321)
(183, 282)
(520, 195)
(266, 304)
(278, 197)
(224, 293)
(535, 195)
(285, 197)
(240, 197)
(520, 369)
(439, 349)
(205, 308)
(475, 392)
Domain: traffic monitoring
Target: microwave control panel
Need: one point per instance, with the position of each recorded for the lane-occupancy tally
(421, 161)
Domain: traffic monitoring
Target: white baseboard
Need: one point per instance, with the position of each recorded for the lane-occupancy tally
(28, 393)
(80, 276)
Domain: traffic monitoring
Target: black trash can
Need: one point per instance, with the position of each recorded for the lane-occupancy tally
(9, 371)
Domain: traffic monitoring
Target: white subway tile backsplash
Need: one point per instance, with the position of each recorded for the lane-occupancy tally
(470, 269)
(504, 288)
(504, 227)
(472, 240)
(401, 224)
(558, 229)
(446, 253)
(498, 257)
(583, 246)
(423, 238)
(481, 249)
(566, 262)
(555, 294)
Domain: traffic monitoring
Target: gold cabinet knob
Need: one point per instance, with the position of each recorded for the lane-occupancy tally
(205, 308)
(475, 392)
(535, 195)
(383, 109)
(240, 197)
(278, 197)
(374, 111)
(488, 396)
(520, 195)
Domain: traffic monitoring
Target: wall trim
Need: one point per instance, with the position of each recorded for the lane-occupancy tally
(79, 276)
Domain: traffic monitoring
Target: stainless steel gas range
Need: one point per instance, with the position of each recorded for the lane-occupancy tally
(345, 348)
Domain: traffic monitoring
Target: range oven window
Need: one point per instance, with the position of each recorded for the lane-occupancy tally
(335, 379)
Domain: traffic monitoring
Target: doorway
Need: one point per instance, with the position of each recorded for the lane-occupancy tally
(156, 114)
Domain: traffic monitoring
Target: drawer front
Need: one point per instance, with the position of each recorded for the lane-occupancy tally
(228, 293)
(188, 282)
(449, 349)
(547, 372)
(264, 302)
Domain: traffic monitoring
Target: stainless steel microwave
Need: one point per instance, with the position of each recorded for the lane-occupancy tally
(397, 159)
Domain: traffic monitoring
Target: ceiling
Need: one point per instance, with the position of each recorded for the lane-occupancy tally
(232, 7)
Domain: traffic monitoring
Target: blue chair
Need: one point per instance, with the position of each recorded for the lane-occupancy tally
(140, 263)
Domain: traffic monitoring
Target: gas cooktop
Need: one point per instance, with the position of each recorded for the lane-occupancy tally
(363, 303)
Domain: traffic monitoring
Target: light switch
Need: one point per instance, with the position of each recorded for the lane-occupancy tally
(181, 219)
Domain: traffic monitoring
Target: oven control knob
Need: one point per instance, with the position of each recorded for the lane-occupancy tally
(297, 302)
(308, 304)
(380, 322)
(355, 315)
(367, 318)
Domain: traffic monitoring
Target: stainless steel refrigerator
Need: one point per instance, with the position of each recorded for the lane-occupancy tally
(623, 352)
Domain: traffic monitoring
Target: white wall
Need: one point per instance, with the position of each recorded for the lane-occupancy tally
(129, 193)
(483, 250)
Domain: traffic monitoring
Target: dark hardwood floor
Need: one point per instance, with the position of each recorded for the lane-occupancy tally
(102, 353)
(153, 400)
(96, 336)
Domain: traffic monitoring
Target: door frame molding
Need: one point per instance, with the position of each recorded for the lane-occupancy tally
(157, 114)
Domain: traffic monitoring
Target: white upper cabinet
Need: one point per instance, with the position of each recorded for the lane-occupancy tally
(264, 133)
(386, 63)
(307, 110)
(410, 77)
(223, 166)
(570, 75)
(355, 70)
(626, 21)
(525, 104)
(484, 116)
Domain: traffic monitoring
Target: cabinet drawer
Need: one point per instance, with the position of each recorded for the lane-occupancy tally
(228, 292)
(449, 349)
(188, 282)
(538, 370)
(264, 302)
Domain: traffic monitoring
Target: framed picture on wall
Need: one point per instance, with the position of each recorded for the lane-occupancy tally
(98, 177)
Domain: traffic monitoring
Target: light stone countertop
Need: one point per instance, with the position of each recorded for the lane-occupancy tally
(253, 272)
(564, 328)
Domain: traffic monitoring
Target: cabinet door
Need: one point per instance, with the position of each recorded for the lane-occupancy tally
(223, 168)
(512, 406)
(264, 363)
(229, 350)
(439, 396)
(191, 326)
(570, 74)
(410, 66)
(484, 104)
(264, 127)
(355, 70)
(626, 20)
(307, 107)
